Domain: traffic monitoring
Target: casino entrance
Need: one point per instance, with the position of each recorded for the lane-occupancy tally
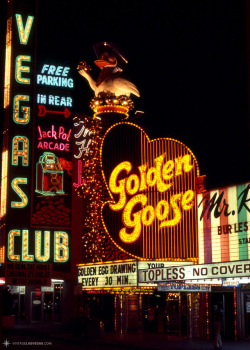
(226, 300)
(36, 304)
(173, 313)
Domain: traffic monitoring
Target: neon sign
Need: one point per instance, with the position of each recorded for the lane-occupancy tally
(151, 213)
(82, 135)
(56, 134)
(24, 32)
(40, 249)
(53, 134)
(24, 199)
(20, 69)
(19, 125)
(44, 205)
(21, 116)
(49, 179)
(55, 100)
(55, 76)
(149, 177)
(82, 138)
(25, 118)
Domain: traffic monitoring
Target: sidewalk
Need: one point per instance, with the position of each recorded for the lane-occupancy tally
(152, 341)
(147, 341)
(163, 341)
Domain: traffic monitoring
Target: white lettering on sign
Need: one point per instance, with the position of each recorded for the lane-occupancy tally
(180, 287)
(55, 76)
(54, 81)
(55, 70)
(54, 100)
(230, 283)
(108, 275)
(221, 270)
(83, 138)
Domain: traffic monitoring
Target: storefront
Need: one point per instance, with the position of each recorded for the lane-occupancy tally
(148, 220)
(43, 305)
(178, 297)
(224, 237)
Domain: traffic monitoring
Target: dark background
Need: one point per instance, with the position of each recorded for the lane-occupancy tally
(187, 58)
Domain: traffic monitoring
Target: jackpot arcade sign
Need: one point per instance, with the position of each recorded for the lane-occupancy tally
(151, 183)
(36, 156)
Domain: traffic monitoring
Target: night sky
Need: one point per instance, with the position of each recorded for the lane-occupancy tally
(187, 58)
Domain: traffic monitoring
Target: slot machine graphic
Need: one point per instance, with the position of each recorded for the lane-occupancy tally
(49, 175)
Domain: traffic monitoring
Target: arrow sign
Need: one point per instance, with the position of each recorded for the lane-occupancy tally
(42, 111)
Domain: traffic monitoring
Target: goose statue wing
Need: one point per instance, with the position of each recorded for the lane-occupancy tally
(125, 87)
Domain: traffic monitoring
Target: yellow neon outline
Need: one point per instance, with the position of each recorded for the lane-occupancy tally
(24, 32)
(112, 201)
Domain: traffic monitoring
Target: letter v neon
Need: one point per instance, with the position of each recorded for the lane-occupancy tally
(24, 32)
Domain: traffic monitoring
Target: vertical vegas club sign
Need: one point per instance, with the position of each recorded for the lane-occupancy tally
(27, 239)
(152, 210)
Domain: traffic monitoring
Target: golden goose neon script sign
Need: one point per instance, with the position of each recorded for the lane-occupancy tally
(161, 176)
(152, 212)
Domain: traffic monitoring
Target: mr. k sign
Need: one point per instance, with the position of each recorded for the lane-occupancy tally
(224, 224)
(152, 207)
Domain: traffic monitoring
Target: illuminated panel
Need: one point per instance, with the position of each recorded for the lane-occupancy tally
(52, 170)
(38, 245)
(15, 185)
(20, 146)
(25, 244)
(120, 188)
(7, 80)
(11, 237)
(61, 246)
(4, 181)
(152, 211)
(108, 275)
(8, 63)
(194, 272)
(49, 175)
(224, 224)
(26, 110)
(24, 32)
(28, 246)
(215, 222)
(20, 69)
(132, 220)
(2, 254)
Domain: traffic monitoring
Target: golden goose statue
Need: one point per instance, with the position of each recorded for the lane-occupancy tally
(110, 61)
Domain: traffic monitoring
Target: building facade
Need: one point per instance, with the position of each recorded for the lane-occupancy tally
(36, 176)
(95, 212)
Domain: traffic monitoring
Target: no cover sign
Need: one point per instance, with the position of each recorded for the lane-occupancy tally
(222, 270)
